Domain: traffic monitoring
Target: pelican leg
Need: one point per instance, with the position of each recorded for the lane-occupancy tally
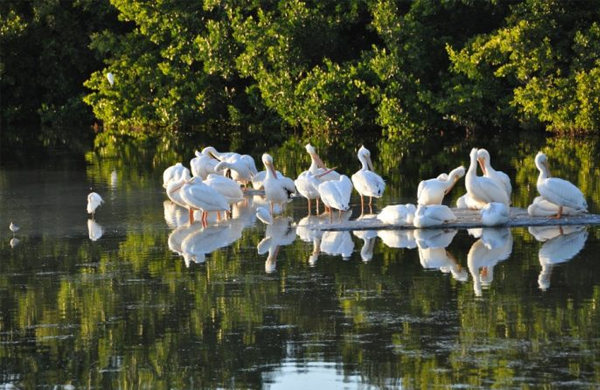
(362, 204)
(559, 215)
(191, 216)
(218, 216)
(317, 206)
(484, 272)
(204, 219)
(309, 210)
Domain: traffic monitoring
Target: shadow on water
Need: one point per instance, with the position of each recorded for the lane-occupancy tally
(139, 297)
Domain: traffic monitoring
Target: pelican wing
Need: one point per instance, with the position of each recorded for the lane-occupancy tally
(200, 195)
(562, 193)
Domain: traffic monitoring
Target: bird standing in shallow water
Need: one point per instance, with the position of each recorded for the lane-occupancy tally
(366, 182)
(93, 202)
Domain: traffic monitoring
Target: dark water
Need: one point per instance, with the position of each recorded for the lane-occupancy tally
(110, 304)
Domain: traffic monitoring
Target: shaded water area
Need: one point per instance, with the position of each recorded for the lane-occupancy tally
(112, 303)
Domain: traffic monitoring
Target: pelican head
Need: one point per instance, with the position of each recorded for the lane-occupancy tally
(310, 149)
(314, 156)
(541, 162)
(364, 155)
(268, 162)
(483, 157)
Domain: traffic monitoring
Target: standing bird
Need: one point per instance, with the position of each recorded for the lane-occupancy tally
(174, 172)
(558, 191)
(278, 190)
(335, 194)
(318, 168)
(501, 178)
(93, 202)
(308, 186)
(366, 182)
(200, 196)
(14, 228)
(432, 191)
(203, 164)
(483, 189)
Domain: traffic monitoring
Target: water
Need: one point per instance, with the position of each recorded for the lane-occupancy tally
(110, 304)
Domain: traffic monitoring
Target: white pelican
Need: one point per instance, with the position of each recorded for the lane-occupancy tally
(95, 231)
(542, 208)
(93, 202)
(482, 258)
(308, 186)
(111, 78)
(175, 195)
(318, 168)
(501, 178)
(401, 214)
(14, 228)
(278, 190)
(264, 215)
(239, 169)
(432, 191)
(174, 172)
(259, 179)
(466, 202)
(367, 182)
(203, 164)
(398, 238)
(335, 194)
(368, 238)
(433, 215)
(483, 189)
(559, 249)
(198, 195)
(226, 187)
(221, 156)
(558, 191)
(493, 214)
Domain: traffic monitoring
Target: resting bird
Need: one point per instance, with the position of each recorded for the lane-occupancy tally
(433, 215)
(203, 164)
(493, 214)
(558, 191)
(278, 189)
(398, 214)
(501, 178)
(93, 202)
(366, 182)
(174, 172)
(335, 194)
(483, 189)
(432, 191)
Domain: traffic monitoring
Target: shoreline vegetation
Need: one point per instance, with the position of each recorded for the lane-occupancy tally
(266, 72)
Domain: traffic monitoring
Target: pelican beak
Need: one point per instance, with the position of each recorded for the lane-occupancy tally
(326, 172)
(547, 168)
(318, 160)
(213, 156)
(370, 163)
(272, 168)
(482, 165)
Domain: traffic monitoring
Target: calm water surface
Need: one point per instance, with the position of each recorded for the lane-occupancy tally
(139, 298)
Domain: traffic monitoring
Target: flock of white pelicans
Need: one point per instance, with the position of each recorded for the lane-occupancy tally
(217, 180)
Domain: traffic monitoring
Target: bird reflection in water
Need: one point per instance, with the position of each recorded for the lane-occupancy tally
(495, 245)
(432, 244)
(398, 238)
(307, 230)
(203, 240)
(561, 244)
(279, 233)
(175, 215)
(95, 230)
(368, 237)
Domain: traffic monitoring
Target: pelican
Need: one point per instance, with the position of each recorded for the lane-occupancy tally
(432, 191)
(111, 78)
(198, 195)
(174, 172)
(558, 191)
(401, 214)
(466, 202)
(501, 178)
(483, 189)
(241, 172)
(203, 164)
(259, 179)
(560, 249)
(225, 186)
(335, 194)
(367, 182)
(318, 168)
(542, 208)
(95, 231)
(493, 214)
(433, 215)
(278, 190)
(221, 156)
(93, 202)
(14, 228)
(308, 186)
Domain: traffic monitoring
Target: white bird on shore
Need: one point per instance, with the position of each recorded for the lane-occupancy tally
(483, 189)
(432, 191)
(542, 208)
(278, 189)
(433, 215)
(93, 202)
(401, 214)
(335, 194)
(366, 182)
(501, 178)
(494, 213)
(558, 191)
